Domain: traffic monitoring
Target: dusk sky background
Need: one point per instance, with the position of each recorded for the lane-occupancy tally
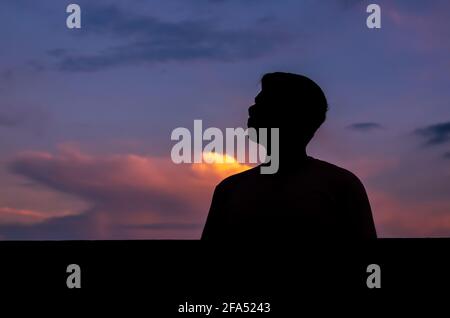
(86, 115)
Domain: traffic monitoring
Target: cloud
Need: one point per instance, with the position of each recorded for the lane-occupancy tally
(446, 155)
(144, 197)
(435, 134)
(365, 126)
(74, 227)
(25, 216)
(151, 40)
(125, 193)
(165, 226)
(402, 218)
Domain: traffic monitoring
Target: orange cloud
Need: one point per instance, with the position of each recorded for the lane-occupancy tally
(20, 216)
(222, 166)
(129, 193)
(145, 197)
(400, 218)
(23, 216)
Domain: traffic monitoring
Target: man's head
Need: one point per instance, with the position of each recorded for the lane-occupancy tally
(293, 103)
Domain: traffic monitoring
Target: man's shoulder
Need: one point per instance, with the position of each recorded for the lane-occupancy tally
(244, 176)
(332, 171)
(318, 169)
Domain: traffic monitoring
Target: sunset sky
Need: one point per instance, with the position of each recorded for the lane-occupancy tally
(86, 115)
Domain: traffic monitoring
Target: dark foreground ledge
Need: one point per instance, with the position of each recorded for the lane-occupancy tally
(172, 272)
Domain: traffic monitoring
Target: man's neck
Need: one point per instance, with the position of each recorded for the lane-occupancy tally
(290, 159)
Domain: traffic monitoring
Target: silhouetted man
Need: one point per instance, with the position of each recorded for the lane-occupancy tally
(307, 197)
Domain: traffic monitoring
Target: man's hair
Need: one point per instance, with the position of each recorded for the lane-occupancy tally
(298, 99)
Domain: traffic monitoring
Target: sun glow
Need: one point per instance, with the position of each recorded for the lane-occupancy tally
(222, 165)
